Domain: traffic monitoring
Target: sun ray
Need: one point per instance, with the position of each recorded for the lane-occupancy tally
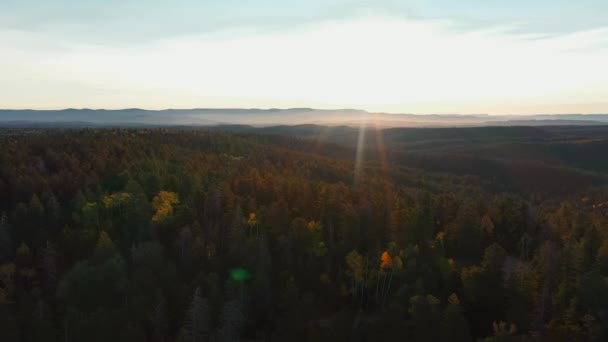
(381, 150)
(380, 146)
(360, 150)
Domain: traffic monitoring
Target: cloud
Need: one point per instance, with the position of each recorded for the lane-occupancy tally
(372, 62)
(122, 22)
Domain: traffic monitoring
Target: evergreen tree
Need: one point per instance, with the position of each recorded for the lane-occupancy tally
(159, 321)
(231, 320)
(49, 269)
(197, 324)
(7, 245)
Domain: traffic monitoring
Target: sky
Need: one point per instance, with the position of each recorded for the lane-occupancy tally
(408, 56)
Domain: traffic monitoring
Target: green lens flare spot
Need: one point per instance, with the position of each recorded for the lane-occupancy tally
(240, 274)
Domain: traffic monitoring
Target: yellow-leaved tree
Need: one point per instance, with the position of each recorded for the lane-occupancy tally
(163, 205)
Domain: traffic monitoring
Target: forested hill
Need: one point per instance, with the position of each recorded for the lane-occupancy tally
(199, 235)
(550, 159)
(137, 117)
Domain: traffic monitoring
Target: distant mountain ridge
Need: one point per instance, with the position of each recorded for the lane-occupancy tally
(275, 116)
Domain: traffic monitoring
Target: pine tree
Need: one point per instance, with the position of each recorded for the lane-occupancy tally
(232, 320)
(184, 248)
(199, 313)
(235, 234)
(262, 282)
(7, 245)
(197, 324)
(49, 269)
(53, 209)
(425, 317)
(104, 247)
(454, 326)
(42, 328)
(159, 321)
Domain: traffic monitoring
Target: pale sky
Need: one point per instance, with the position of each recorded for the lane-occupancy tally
(410, 56)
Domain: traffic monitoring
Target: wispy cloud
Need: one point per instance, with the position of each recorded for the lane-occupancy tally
(373, 62)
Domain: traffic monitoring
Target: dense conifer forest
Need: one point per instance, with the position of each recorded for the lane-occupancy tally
(197, 235)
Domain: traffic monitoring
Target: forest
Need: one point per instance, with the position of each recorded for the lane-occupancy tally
(274, 234)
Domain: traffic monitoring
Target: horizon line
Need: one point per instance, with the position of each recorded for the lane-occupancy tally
(287, 109)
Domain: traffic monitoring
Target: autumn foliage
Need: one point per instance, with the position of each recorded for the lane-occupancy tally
(386, 262)
(163, 205)
(191, 235)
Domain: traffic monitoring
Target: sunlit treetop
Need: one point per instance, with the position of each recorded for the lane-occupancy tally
(163, 205)
(386, 262)
(252, 221)
(104, 241)
(313, 225)
(115, 199)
